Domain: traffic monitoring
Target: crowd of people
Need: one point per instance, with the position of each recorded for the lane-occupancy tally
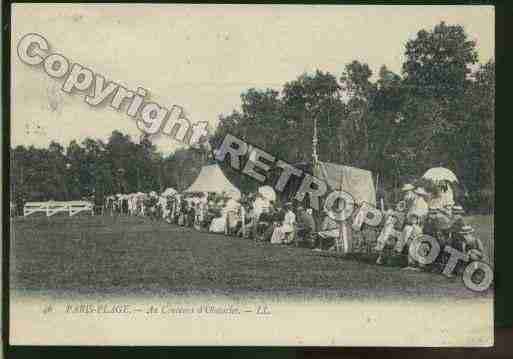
(260, 217)
(432, 213)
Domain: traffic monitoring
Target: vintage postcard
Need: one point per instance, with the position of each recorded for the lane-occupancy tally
(290, 175)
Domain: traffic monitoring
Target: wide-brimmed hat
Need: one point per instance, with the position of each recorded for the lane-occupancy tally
(458, 224)
(466, 229)
(421, 191)
(407, 187)
(458, 210)
(412, 216)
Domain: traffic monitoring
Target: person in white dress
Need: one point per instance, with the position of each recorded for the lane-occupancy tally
(446, 197)
(260, 205)
(420, 205)
(218, 224)
(288, 226)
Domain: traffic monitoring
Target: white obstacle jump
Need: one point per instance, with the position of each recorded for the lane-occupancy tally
(50, 208)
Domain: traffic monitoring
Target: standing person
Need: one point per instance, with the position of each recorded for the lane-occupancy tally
(409, 233)
(209, 214)
(409, 195)
(260, 205)
(419, 205)
(267, 223)
(191, 214)
(231, 209)
(174, 209)
(457, 222)
(287, 226)
(415, 217)
(182, 214)
(12, 209)
(124, 205)
(330, 229)
(197, 215)
(259, 215)
(19, 205)
(177, 209)
(446, 195)
(202, 211)
(438, 221)
(152, 206)
(115, 206)
(306, 223)
(219, 222)
(394, 221)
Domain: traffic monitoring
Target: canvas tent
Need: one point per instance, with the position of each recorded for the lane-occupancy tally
(355, 181)
(212, 179)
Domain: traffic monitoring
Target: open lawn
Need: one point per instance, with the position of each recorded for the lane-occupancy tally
(134, 256)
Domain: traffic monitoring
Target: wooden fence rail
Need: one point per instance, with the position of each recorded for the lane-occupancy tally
(50, 208)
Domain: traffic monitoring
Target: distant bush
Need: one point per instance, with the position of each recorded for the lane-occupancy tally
(480, 201)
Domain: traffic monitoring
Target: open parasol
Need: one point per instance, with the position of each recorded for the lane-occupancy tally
(438, 174)
(169, 192)
(267, 192)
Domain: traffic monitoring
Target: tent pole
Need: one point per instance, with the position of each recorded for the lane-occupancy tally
(342, 225)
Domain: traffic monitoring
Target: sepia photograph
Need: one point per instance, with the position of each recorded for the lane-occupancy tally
(257, 175)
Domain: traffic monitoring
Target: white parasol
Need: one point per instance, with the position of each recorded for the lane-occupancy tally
(268, 193)
(169, 192)
(437, 174)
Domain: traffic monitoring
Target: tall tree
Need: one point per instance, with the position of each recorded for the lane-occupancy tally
(438, 61)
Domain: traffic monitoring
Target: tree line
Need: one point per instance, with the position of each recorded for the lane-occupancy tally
(94, 169)
(438, 111)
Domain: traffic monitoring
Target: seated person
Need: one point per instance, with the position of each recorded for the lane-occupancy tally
(287, 226)
(191, 215)
(410, 231)
(472, 245)
(331, 230)
(438, 225)
(265, 225)
(233, 218)
(273, 219)
(218, 224)
(211, 212)
(305, 223)
(457, 218)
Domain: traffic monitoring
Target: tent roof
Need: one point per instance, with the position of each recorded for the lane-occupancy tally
(212, 179)
(355, 181)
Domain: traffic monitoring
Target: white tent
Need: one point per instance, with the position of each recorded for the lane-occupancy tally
(212, 179)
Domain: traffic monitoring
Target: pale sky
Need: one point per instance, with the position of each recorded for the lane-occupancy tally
(202, 57)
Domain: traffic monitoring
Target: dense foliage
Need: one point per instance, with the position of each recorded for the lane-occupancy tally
(439, 111)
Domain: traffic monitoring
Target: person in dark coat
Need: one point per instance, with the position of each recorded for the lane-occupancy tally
(305, 223)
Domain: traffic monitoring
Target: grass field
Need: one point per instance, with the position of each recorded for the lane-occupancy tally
(134, 256)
